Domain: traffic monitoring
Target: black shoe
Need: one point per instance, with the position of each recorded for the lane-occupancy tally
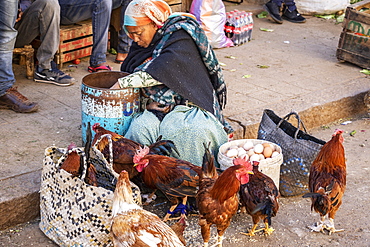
(53, 76)
(17, 102)
(293, 16)
(274, 11)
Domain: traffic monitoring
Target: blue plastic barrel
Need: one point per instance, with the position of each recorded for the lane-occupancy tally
(112, 108)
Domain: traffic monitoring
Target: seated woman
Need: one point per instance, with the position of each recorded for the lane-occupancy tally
(181, 80)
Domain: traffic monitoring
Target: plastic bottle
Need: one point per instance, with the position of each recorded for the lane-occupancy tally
(250, 26)
(245, 28)
(237, 31)
(229, 27)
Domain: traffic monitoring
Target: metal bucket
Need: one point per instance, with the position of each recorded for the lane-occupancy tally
(112, 108)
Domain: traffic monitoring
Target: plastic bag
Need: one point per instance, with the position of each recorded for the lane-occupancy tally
(211, 16)
(320, 7)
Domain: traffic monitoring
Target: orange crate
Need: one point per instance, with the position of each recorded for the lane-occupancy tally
(75, 42)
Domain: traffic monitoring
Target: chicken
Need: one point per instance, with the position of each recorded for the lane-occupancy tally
(179, 228)
(177, 179)
(72, 163)
(217, 197)
(134, 226)
(327, 182)
(259, 197)
(124, 149)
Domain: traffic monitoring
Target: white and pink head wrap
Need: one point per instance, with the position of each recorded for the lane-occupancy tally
(142, 12)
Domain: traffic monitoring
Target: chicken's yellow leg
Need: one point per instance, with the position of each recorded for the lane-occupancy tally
(268, 230)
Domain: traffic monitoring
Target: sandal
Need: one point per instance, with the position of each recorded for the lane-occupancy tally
(99, 68)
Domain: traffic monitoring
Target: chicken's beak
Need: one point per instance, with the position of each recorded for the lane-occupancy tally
(136, 165)
(250, 172)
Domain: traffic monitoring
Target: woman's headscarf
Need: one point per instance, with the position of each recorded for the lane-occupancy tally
(142, 12)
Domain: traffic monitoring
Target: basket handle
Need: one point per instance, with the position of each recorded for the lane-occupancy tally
(101, 156)
(286, 118)
(80, 152)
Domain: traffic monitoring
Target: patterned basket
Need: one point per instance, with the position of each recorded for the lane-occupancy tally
(299, 149)
(270, 167)
(74, 213)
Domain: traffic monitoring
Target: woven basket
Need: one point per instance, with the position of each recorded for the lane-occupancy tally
(74, 213)
(270, 167)
(299, 149)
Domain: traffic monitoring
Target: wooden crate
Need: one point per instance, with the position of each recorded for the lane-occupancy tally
(354, 42)
(75, 42)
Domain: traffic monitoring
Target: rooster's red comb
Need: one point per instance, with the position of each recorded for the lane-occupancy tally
(140, 153)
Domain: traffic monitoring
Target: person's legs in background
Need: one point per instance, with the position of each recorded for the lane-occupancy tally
(99, 11)
(9, 96)
(124, 42)
(290, 12)
(42, 19)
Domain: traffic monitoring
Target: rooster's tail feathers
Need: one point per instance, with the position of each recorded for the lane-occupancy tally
(208, 166)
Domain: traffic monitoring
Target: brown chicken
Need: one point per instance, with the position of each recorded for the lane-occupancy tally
(179, 228)
(124, 149)
(72, 163)
(177, 179)
(259, 197)
(217, 197)
(327, 182)
(134, 226)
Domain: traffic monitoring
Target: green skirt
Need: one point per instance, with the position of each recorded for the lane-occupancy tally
(188, 127)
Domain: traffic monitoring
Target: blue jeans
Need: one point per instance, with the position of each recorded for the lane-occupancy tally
(73, 11)
(8, 34)
(290, 4)
(41, 19)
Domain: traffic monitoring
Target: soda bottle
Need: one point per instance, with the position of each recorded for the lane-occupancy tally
(229, 27)
(237, 31)
(250, 26)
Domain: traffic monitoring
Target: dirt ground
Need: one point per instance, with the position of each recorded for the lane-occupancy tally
(294, 215)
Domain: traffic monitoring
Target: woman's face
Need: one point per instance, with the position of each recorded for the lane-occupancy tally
(142, 35)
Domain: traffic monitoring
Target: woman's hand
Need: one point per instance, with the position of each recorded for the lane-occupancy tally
(115, 86)
(158, 107)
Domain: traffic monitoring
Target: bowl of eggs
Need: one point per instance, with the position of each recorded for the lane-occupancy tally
(267, 153)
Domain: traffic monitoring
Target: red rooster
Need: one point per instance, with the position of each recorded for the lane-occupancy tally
(134, 226)
(124, 149)
(174, 177)
(259, 197)
(217, 197)
(327, 182)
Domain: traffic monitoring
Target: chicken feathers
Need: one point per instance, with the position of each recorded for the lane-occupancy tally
(327, 182)
(134, 226)
(177, 179)
(216, 204)
(259, 197)
(124, 149)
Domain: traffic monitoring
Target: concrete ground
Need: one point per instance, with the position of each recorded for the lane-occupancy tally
(294, 67)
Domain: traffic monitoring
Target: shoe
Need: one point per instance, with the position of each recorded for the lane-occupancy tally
(293, 16)
(120, 58)
(274, 11)
(53, 76)
(17, 102)
(92, 69)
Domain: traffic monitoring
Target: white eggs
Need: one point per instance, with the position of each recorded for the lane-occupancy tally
(258, 148)
(248, 145)
(274, 154)
(241, 152)
(232, 153)
(253, 152)
(254, 157)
